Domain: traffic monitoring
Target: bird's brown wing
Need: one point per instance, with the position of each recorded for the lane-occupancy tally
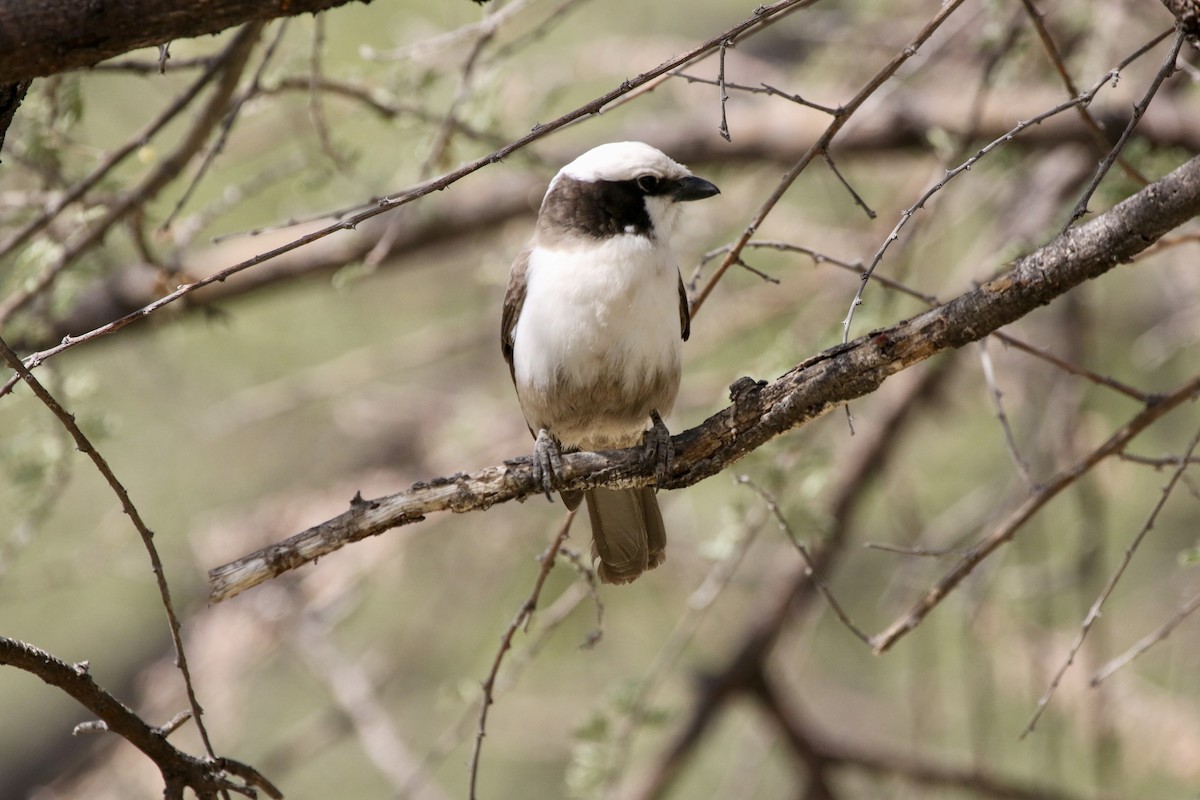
(514, 299)
(685, 314)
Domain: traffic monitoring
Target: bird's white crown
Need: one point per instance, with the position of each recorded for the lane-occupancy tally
(623, 161)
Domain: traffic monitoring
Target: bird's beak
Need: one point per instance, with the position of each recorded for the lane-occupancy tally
(693, 188)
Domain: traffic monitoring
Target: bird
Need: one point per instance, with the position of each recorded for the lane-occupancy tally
(594, 319)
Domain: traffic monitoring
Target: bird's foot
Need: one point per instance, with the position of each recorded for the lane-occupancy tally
(547, 462)
(657, 445)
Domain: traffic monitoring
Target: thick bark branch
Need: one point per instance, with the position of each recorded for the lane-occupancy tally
(760, 412)
(207, 778)
(11, 95)
(42, 37)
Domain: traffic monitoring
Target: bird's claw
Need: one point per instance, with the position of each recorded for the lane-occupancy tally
(658, 446)
(547, 462)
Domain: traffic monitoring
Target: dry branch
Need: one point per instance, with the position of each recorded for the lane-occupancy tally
(42, 37)
(206, 777)
(759, 412)
(902, 123)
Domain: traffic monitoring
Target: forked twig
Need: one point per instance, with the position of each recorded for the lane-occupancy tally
(907, 214)
(85, 446)
(1147, 641)
(761, 17)
(809, 563)
(822, 144)
(1094, 612)
(1167, 68)
(519, 622)
(884, 640)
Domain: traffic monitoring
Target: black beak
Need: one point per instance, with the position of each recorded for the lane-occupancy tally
(693, 188)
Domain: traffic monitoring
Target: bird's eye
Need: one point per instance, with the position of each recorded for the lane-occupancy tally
(648, 183)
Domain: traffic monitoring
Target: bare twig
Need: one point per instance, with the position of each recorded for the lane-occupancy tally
(83, 186)
(1094, 613)
(1017, 519)
(761, 89)
(933, 302)
(316, 108)
(907, 214)
(1157, 463)
(519, 622)
(484, 28)
(85, 446)
(1165, 71)
(1097, 131)
(821, 145)
(762, 16)
(230, 118)
(723, 129)
(232, 64)
(441, 140)
(1010, 441)
(858, 201)
(1147, 641)
(809, 564)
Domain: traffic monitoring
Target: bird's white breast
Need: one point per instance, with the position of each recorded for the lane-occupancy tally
(602, 318)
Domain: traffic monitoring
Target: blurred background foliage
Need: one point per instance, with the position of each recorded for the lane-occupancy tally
(245, 414)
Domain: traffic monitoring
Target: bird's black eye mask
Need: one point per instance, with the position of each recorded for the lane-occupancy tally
(598, 209)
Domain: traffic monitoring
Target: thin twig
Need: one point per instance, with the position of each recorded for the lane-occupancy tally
(1147, 641)
(227, 123)
(1167, 68)
(1157, 463)
(377, 103)
(1094, 613)
(907, 214)
(85, 446)
(486, 27)
(724, 127)
(316, 109)
(760, 89)
(821, 144)
(884, 640)
(1052, 52)
(1010, 440)
(763, 16)
(519, 622)
(441, 141)
(233, 61)
(539, 31)
(933, 301)
(858, 201)
(83, 186)
(809, 565)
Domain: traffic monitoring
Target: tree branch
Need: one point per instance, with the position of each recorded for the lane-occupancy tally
(207, 778)
(761, 411)
(42, 37)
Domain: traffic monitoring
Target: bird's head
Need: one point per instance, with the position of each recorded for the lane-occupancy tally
(621, 188)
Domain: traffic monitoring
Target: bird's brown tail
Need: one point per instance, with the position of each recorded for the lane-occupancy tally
(627, 532)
